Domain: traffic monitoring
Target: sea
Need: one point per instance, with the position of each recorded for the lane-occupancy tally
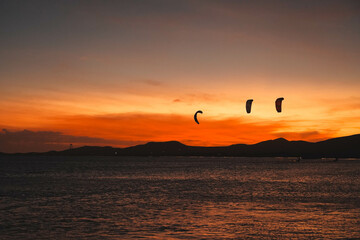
(43, 197)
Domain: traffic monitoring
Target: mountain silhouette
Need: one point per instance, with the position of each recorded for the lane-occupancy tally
(348, 146)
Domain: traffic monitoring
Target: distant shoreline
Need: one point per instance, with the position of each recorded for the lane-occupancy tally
(342, 147)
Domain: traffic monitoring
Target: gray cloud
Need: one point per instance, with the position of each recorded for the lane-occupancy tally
(153, 82)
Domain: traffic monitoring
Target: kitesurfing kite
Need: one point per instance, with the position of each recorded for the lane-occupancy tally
(195, 116)
(278, 103)
(248, 105)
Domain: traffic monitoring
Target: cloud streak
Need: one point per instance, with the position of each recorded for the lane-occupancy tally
(41, 141)
(134, 127)
(128, 129)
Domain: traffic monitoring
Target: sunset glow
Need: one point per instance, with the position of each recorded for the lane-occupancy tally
(131, 72)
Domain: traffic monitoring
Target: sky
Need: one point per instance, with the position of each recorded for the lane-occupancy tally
(122, 73)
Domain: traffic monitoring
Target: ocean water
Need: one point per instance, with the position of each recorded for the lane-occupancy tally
(178, 198)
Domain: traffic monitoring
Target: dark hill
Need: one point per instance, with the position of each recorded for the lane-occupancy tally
(337, 147)
(348, 146)
(155, 148)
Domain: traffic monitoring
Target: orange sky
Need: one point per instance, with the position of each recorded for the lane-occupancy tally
(125, 73)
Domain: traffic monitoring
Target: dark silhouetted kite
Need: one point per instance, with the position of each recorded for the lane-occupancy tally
(248, 105)
(278, 104)
(195, 116)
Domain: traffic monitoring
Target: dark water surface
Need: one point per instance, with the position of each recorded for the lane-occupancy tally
(178, 198)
